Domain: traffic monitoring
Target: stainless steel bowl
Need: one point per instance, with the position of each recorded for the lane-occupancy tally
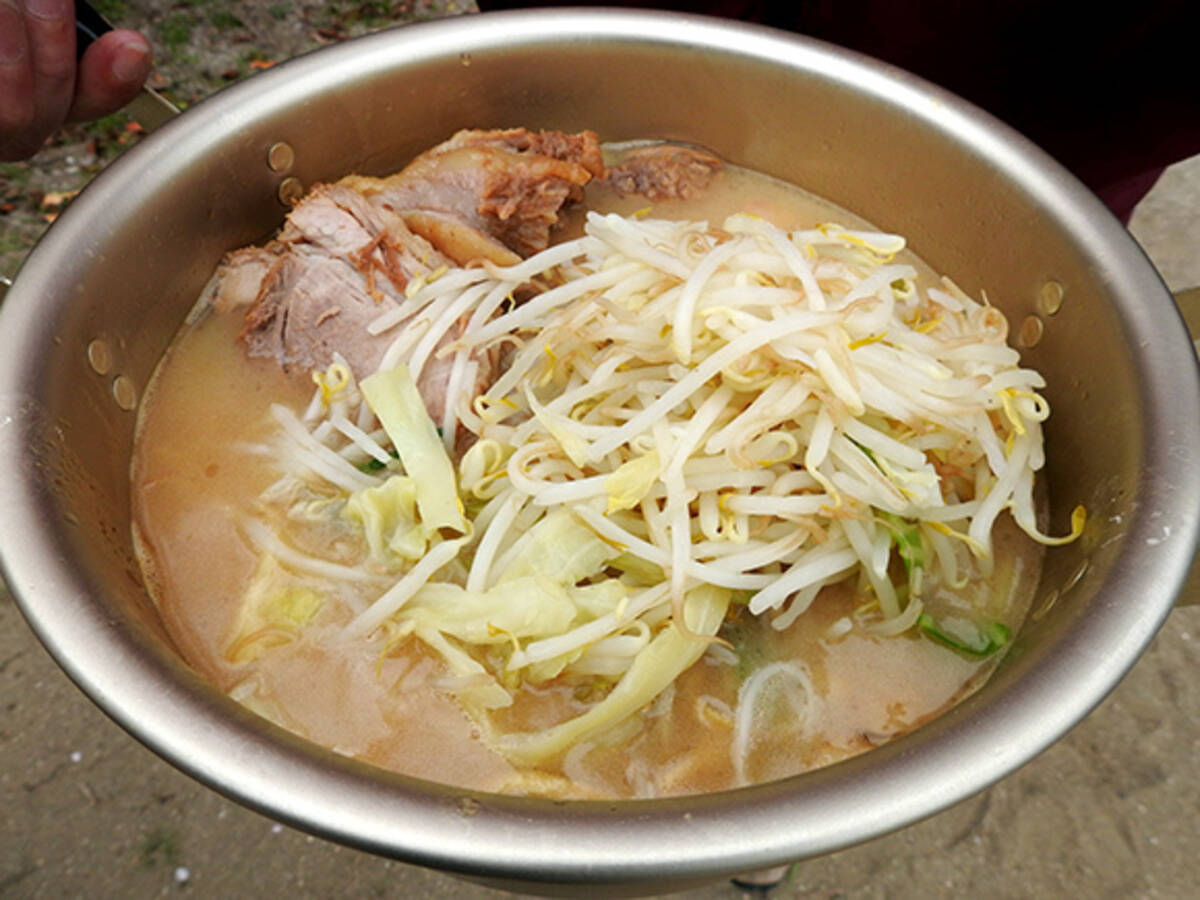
(98, 300)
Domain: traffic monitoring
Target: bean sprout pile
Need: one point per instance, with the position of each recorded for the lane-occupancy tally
(689, 418)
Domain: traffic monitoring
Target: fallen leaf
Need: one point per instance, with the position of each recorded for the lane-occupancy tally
(52, 199)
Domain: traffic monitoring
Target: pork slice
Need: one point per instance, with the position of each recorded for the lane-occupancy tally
(315, 307)
(348, 251)
(341, 223)
(336, 265)
(310, 307)
(508, 185)
(582, 148)
(239, 277)
(664, 172)
(316, 289)
(334, 219)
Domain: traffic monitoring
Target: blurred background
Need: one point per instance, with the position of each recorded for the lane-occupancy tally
(1113, 810)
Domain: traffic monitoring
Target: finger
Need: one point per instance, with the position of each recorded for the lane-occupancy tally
(17, 112)
(110, 74)
(50, 29)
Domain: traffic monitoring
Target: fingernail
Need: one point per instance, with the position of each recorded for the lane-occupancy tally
(12, 34)
(48, 9)
(131, 60)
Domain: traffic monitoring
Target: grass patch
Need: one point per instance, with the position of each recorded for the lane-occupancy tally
(111, 9)
(13, 173)
(376, 9)
(223, 19)
(176, 30)
(110, 134)
(280, 11)
(158, 847)
(13, 242)
(106, 126)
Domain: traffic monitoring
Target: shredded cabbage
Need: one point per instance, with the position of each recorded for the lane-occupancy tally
(393, 398)
(387, 515)
(654, 668)
(274, 609)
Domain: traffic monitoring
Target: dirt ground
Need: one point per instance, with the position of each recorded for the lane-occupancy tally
(1112, 810)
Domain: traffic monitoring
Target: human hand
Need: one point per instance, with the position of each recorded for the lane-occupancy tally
(41, 86)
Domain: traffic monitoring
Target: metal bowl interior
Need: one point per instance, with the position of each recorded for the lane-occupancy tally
(124, 265)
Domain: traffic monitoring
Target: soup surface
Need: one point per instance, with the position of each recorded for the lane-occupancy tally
(228, 537)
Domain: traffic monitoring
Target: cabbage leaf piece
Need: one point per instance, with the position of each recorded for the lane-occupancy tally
(593, 601)
(538, 595)
(274, 609)
(560, 547)
(529, 607)
(666, 657)
(393, 397)
(388, 516)
(631, 481)
(476, 688)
